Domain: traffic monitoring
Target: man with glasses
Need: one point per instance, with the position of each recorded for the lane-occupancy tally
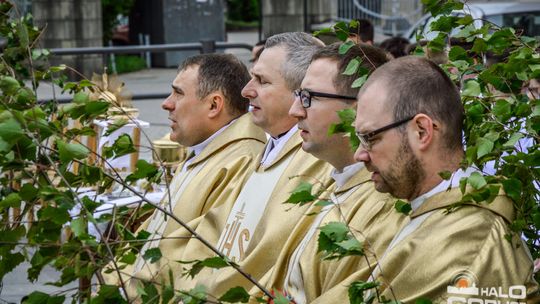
(409, 122)
(258, 223)
(325, 91)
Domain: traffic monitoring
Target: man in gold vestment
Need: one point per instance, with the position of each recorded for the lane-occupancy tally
(300, 272)
(258, 222)
(409, 122)
(208, 115)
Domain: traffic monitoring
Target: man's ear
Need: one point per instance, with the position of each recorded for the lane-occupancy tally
(216, 105)
(424, 128)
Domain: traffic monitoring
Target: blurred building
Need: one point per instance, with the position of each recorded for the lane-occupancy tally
(69, 24)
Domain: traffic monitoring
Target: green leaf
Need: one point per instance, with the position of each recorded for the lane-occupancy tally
(279, 298)
(359, 81)
(345, 47)
(117, 124)
(9, 85)
(96, 108)
(143, 170)
(128, 258)
(38, 297)
(476, 180)
(150, 295)
(324, 203)
(445, 175)
(78, 226)
(13, 200)
(81, 98)
(59, 216)
(403, 207)
(28, 192)
(24, 40)
(423, 301)
(301, 194)
(357, 289)
(152, 254)
(471, 88)
(108, 294)
(485, 146)
(67, 152)
(11, 130)
(235, 295)
(513, 140)
(353, 66)
(513, 188)
(9, 262)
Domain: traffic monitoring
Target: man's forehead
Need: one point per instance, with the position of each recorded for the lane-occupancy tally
(371, 106)
(320, 74)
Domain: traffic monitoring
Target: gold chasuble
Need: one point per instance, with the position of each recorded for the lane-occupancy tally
(300, 271)
(211, 180)
(452, 254)
(260, 223)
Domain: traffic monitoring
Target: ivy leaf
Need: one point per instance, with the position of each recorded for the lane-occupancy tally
(13, 200)
(446, 175)
(78, 226)
(108, 294)
(150, 294)
(485, 146)
(235, 295)
(353, 66)
(153, 255)
(280, 298)
(476, 180)
(117, 124)
(345, 47)
(28, 192)
(323, 203)
(359, 81)
(513, 188)
(301, 194)
(10, 130)
(471, 88)
(67, 152)
(143, 170)
(198, 265)
(38, 297)
(128, 258)
(403, 207)
(513, 140)
(357, 289)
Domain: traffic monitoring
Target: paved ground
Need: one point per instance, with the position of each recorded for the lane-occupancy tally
(15, 284)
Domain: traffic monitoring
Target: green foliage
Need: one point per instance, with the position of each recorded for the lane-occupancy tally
(128, 63)
(302, 195)
(403, 207)
(243, 10)
(336, 241)
(235, 295)
(198, 265)
(110, 10)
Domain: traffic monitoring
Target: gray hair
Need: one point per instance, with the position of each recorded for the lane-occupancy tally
(299, 48)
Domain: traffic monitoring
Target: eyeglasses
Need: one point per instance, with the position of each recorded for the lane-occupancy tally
(365, 139)
(306, 95)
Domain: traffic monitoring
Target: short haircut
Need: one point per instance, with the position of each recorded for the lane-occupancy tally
(364, 30)
(396, 46)
(299, 48)
(371, 57)
(224, 73)
(418, 85)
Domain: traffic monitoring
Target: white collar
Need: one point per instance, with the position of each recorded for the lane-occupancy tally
(453, 182)
(346, 174)
(197, 149)
(275, 145)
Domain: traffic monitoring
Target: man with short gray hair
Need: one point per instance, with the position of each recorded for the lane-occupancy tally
(259, 223)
